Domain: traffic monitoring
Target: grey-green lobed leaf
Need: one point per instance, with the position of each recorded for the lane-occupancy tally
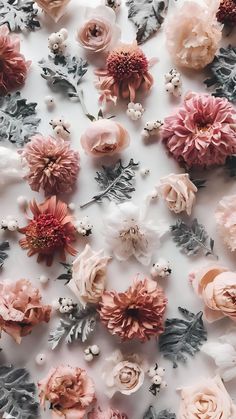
(17, 393)
(151, 413)
(68, 275)
(18, 120)
(223, 77)
(3, 255)
(147, 15)
(182, 336)
(19, 15)
(116, 182)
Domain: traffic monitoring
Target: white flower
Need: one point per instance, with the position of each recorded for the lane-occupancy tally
(128, 233)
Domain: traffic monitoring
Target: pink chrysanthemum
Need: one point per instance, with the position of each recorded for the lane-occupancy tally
(13, 67)
(50, 230)
(53, 166)
(202, 132)
(227, 12)
(126, 72)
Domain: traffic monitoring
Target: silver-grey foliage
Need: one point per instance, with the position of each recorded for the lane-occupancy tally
(19, 15)
(18, 121)
(182, 336)
(3, 255)
(147, 15)
(151, 413)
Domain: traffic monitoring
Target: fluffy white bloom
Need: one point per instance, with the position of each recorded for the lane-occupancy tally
(12, 168)
(128, 232)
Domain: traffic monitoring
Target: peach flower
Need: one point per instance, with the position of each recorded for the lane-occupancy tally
(217, 287)
(53, 8)
(207, 399)
(69, 390)
(104, 137)
(225, 215)
(21, 309)
(89, 275)
(178, 192)
(99, 31)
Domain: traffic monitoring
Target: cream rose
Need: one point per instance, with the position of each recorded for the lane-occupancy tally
(178, 192)
(104, 137)
(89, 275)
(208, 399)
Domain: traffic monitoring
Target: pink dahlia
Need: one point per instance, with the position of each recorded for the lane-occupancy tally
(53, 166)
(202, 132)
(126, 72)
(13, 67)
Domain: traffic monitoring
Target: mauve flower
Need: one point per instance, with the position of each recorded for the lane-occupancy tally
(106, 414)
(50, 230)
(104, 137)
(202, 132)
(99, 31)
(193, 34)
(126, 72)
(13, 65)
(137, 313)
(21, 308)
(53, 166)
(178, 192)
(206, 399)
(227, 12)
(53, 8)
(69, 391)
(225, 215)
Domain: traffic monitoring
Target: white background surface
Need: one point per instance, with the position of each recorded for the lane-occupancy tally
(120, 275)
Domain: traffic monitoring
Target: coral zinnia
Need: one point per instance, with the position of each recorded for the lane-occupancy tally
(50, 230)
(53, 166)
(13, 67)
(227, 12)
(202, 133)
(126, 72)
(134, 314)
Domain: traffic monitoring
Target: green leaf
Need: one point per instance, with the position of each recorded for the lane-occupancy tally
(19, 15)
(3, 255)
(182, 336)
(164, 414)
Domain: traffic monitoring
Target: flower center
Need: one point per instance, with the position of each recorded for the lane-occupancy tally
(132, 312)
(94, 31)
(126, 62)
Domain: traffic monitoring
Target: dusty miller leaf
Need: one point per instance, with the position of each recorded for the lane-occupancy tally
(3, 255)
(164, 414)
(17, 393)
(182, 336)
(68, 275)
(19, 15)
(116, 182)
(18, 121)
(223, 69)
(191, 238)
(75, 326)
(147, 15)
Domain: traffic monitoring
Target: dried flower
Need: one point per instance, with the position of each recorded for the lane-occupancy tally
(225, 220)
(21, 308)
(69, 390)
(202, 132)
(227, 12)
(124, 374)
(126, 72)
(53, 8)
(13, 65)
(106, 414)
(128, 232)
(53, 166)
(50, 230)
(193, 34)
(135, 314)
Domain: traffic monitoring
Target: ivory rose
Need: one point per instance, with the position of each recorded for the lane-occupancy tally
(69, 391)
(216, 285)
(207, 399)
(104, 137)
(99, 31)
(89, 275)
(178, 192)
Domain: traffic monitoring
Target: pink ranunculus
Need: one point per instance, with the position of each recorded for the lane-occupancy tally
(106, 414)
(99, 31)
(21, 308)
(69, 390)
(225, 215)
(53, 8)
(207, 399)
(104, 137)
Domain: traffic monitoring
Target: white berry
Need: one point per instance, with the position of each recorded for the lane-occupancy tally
(144, 172)
(64, 33)
(43, 279)
(22, 201)
(138, 114)
(154, 194)
(88, 357)
(12, 225)
(169, 87)
(138, 107)
(56, 305)
(160, 371)
(49, 101)
(4, 223)
(156, 379)
(40, 359)
(71, 206)
(163, 384)
(152, 372)
(95, 349)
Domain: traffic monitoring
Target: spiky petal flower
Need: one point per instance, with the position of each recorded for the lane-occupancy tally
(202, 132)
(227, 12)
(53, 166)
(135, 314)
(126, 72)
(49, 231)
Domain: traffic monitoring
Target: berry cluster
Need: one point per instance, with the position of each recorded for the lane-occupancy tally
(135, 111)
(56, 41)
(60, 128)
(83, 226)
(9, 223)
(160, 269)
(151, 128)
(90, 352)
(173, 82)
(156, 374)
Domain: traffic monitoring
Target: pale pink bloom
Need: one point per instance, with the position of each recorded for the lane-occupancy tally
(21, 308)
(53, 8)
(225, 215)
(104, 137)
(202, 132)
(106, 414)
(206, 399)
(193, 34)
(99, 31)
(69, 390)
